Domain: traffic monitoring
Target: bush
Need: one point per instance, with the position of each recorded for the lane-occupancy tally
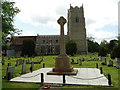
(115, 53)
(28, 47)
(102, 52)
(71, 47)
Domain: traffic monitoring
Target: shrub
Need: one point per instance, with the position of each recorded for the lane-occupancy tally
(71, 47)
(28, 47)
(102, 52)
(115, 53)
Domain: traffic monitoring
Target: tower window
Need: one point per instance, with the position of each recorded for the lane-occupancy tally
(77, 19)
(43, 41)
(56, 41)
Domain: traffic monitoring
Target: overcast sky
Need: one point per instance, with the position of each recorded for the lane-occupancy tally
(40, 17)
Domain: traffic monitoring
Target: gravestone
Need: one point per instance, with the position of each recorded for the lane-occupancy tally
(9, 64)
(72, 61)
(31, 67)
(118, 63)
(83, 59)
(80, 62)
(3, 61)
(20, 61)
(62, 62)
(100, 58)
(17, 63)
(110, 63)
(23, 68)
(8, 58)
(41, 60)
(9, 72)
(77, 61)
(104, 61)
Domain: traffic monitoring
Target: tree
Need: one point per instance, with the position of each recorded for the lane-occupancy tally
(115, 53)
(111, 45)
(92, 45)
(8, 13)
(104, 44)
(71, 47)
(102, 52)
(28, 47)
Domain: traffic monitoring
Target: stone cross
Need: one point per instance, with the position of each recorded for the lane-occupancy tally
(62, 21)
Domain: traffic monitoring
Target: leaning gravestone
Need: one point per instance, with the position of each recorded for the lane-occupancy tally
(110, 63)
(104, 61)
(9, 72)
(118, 63)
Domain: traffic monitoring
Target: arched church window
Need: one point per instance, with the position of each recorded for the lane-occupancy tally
(77, 19)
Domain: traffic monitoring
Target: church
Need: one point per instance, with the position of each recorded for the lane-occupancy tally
(50, 44)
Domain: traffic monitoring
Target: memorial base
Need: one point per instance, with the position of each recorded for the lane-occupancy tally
(74, 72)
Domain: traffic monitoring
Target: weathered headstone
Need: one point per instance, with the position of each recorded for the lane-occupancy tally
(83, 59)
(17, 63)
(21, 61)
(72, 61)
(104, 61)
(23, 68)
(9, 64)
(3, 61)
(118, 63)
(9, 72)
(31, 67)
(41, 60)
(100, 58)
(80, 62)
(8, 58)
(110, 63)
(77, 61)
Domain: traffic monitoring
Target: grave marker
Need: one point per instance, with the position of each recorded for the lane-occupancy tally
(23, 68)
(104, 61)
(118, 63)
(9, 72)
(110, 63)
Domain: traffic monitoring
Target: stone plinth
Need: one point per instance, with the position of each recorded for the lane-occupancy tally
(62, 62)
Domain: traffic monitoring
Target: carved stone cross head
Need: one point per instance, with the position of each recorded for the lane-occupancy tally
(61, 20)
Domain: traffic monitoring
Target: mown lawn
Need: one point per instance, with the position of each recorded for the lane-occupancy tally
(49, 62)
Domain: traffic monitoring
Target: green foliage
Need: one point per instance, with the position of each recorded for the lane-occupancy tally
(116, 51)
(112, 44)
(71, 47)
(8, 13)
(28, 47)
(92, 46)
(105, 45)
(102, 52)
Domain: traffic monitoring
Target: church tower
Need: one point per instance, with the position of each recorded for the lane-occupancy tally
(76, 28)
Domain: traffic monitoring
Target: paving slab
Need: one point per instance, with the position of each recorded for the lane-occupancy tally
(85, 76)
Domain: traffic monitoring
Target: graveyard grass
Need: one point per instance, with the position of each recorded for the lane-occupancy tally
(49, 62)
